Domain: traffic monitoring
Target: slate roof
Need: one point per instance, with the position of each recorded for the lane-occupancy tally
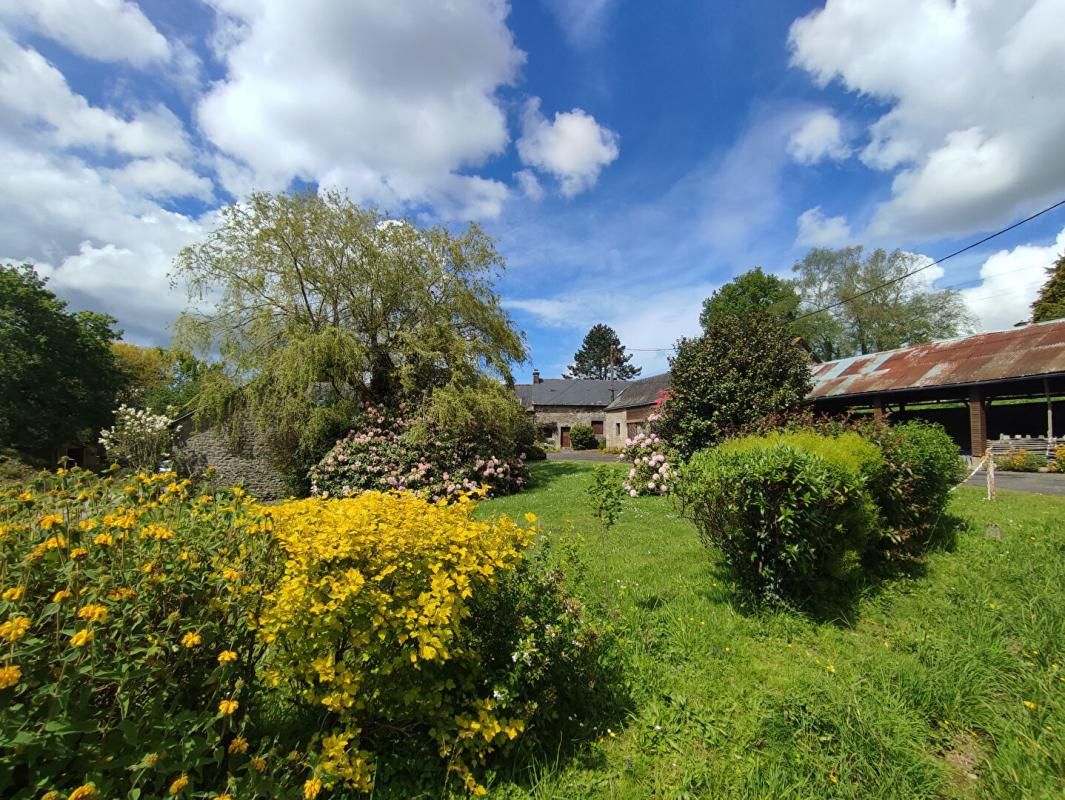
(643, 392)
(1028, 351)
(573, 392)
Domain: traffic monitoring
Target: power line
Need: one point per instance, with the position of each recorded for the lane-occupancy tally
(912, 272)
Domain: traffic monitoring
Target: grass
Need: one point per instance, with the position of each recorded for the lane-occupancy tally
(920, 689)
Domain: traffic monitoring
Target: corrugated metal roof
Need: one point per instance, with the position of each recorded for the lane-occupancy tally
(643, 392)
(1028, 351)
(573, 392)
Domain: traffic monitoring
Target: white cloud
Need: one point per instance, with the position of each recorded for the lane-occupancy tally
(974, 88)
(530, 184)
(162, 178)
(1009, 283)
(105, 30)
(817, 230)
(582, 21)
(36, 102)
(390, 101)
(573, 147)
(819, 137)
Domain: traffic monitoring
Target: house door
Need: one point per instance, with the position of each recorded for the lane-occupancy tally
(564, 440)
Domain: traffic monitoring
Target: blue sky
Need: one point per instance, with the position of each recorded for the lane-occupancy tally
(628, 157)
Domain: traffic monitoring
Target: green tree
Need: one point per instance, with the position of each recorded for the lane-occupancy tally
(58, 378)
(1051, 301)
(157, 378)
(885, 307)
(318, 304)
(750, 292)
(742, 369)
(602, 356)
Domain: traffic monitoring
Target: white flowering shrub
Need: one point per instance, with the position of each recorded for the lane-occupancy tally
(139, 438)
(650, 472)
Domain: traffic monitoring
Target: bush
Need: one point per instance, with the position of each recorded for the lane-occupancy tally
(581, 437)
(140, 438)
(787, 520)
(921, 465)
(1020, 461)
(129, 648)
(650, 472)
(391, 450)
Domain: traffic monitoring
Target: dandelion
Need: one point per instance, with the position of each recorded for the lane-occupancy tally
(830, 668)
(227, 657)
(81, 638)
(530, 517)
(14, 629)
(14, 593)
(191, 639)
(1030, 705)
(227, 707)
(49, 521)
(238, 745)
(9, 676)
(87, 791)
(832, 777)
(93, 612)
(179, 785)
(311, 788)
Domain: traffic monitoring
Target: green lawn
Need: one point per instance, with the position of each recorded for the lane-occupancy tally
(918, 690)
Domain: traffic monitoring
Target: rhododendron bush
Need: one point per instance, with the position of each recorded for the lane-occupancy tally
(650, 472)
(398, 450)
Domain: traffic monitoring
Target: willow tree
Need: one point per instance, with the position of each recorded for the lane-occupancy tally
(313, 305)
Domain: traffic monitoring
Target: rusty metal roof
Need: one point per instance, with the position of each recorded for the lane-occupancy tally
(1029, 351)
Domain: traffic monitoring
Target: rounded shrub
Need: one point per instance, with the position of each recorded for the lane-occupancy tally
(650, 471)
(582, 437)
(788, 521)
(1020, 461)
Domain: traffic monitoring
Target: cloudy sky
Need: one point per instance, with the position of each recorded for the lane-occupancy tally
(629, 157)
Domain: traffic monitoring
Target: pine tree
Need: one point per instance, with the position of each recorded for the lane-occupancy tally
(602, 355)
(1051, 301)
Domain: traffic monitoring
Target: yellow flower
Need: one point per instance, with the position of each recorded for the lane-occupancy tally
(26, 497)
(52, 795)
(179, 784)
(121, 593)
(104, 540)
(86, 791)
(311, 788)
(49, 521)
(831, 669)
(258, 764)
(81, 638)
(14, 593)
(61, 595)
(151, 759)
(1030, 705)
(530, 517)
(226, 796)
(238, 745)
(227, 707)
(87, 524)
(15, 628)
(157, 532)
(9, 676)
(94, 612)
(231, 574)
(191, 639)
(79, 552)
(227, 657)
(832, 777)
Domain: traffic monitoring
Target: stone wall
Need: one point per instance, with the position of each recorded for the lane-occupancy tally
(557, 417)
(244, 462)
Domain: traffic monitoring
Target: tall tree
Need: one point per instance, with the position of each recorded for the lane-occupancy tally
(743, 368)
(318, 304)
(884, 306)
(58, 378)
(602, 355)
(748, 293)
(1051, 301)
(156, 378)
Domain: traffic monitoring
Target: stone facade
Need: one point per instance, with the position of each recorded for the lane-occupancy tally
(244, 462)
(551, 420)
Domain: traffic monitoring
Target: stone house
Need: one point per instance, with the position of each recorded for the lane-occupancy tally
(627, 414)
(557, 404)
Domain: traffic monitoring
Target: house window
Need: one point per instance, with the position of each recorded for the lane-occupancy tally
(617, 429)
(597, 427)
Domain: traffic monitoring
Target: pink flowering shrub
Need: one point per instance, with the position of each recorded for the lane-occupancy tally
(394, 451)
(650, 472)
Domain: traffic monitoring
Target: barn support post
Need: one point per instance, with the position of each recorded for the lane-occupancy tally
(977, 422)
(878, 408)
(1050, 411)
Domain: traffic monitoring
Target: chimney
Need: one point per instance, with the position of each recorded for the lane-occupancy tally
(536, 376)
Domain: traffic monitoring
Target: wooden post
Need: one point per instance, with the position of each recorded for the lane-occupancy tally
(1050, 411)
(878, 408)
(977, 422)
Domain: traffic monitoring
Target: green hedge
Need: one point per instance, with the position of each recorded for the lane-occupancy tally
(788, 518)
(582, 437)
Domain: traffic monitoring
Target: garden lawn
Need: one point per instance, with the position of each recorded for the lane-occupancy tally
(947, 684)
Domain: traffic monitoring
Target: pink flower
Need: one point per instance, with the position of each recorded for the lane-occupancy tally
(632, 492)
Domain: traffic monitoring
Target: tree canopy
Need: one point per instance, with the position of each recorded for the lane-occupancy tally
(157, 378)
(317, 303)
(751, 292)
(58, 378)
(1051, 301)
(745, 367)
(885, 308)
(603, 356)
